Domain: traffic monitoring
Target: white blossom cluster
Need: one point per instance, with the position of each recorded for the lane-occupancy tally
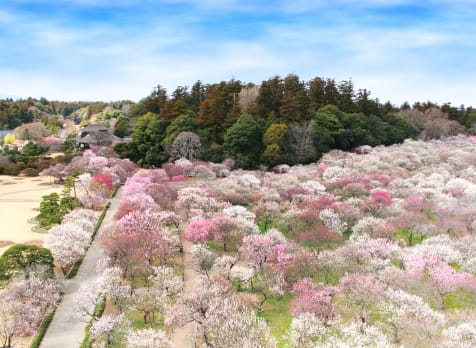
(148, 338)
(306, 329)
(365, 226)
(332, 221)
(462, 335)
(401, 306)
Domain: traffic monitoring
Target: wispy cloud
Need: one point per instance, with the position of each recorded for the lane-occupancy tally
(121, 49)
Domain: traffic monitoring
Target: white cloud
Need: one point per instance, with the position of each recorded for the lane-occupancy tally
(62, 59)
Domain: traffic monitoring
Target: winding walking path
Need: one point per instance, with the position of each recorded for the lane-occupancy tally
(67, 329)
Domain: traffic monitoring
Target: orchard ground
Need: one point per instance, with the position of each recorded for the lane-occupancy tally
(20, 199)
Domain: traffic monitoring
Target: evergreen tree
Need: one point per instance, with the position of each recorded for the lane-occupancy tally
(295, 101)
(242, 142)
(148, 134)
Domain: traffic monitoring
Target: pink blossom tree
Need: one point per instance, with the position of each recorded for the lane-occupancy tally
(198, 231)
(139, 201)
(138, 239)
(227, 230)
(362, 293)
(259, 250)
(310, 299)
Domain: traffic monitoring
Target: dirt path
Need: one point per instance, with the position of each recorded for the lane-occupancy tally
(181, 337)
(67, 330)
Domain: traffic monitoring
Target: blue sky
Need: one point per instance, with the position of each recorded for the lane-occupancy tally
(120, 49)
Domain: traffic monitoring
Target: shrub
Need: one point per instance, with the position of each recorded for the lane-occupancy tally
(11, 169)
(31, 172)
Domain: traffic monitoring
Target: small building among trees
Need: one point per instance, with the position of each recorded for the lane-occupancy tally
(94, 134)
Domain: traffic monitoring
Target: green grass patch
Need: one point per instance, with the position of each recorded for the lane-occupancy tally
(432, 216)
(409, 238)
(137, 320)
(460, 299)
(346, 234)
(397, 263)
(327, 276)
(264, 225)
(276, 313)
(455, 265)
(231, 246)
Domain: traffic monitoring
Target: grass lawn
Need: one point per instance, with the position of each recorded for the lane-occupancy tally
(276, 313)
(460, 299)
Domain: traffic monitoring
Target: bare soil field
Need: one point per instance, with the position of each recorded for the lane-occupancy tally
(20, 199)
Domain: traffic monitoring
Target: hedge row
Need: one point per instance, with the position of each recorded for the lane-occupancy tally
(42, 331)
(98, 311)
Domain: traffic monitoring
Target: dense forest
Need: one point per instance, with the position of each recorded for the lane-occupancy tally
(283, 120)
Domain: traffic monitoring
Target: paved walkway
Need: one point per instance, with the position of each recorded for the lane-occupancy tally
(67, 330)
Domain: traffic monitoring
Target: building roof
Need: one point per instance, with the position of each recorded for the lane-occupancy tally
(94, 128)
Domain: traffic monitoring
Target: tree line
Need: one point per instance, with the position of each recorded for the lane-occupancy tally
(283, 120)
(14, 113)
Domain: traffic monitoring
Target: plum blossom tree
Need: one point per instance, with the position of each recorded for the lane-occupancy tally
(97, 164)
(139, 201)
(165, 278)
(90, 295)
(462, 335)
(306, 329)
(112, 285)
(261, 249)
(203, 258)
(152, 300)
(101, 182)
(85, 218)
(106, 329)
(310, 299)
(362, 292)
(228, 324)
(138, 241)
(332, 221)
(149, 303)
(198, 231)
(67, 243)
(25, 304)
(444, 277)
(196, 201)
(192, 307)
(8, 326)
(377, 202)
(148, 338)
(406, 312)
(355, 335)
(227, 231)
